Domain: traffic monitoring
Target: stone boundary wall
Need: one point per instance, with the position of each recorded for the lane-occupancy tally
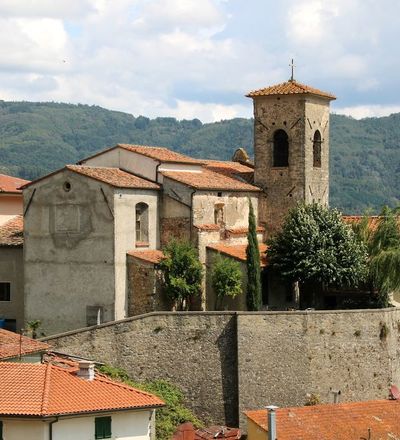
(226, 362)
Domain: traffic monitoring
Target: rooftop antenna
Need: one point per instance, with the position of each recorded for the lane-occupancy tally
(292, 66)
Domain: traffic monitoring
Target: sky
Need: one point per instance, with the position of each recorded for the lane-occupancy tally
(198, 58)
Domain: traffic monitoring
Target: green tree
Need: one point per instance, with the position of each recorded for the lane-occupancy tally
(383, 244)
(172, 414)
(226, 279)
(182, 273)
(253, 264)
(315, 245)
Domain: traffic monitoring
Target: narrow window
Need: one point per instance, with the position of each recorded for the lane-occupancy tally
(219, 214)
(281, 149)
(5, 289)
(142, 223)
(102, 427)
(94, 315)
(317, 150)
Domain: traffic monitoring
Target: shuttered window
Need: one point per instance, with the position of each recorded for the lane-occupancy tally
(102, 427)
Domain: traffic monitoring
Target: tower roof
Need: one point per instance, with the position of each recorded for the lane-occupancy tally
(290, 87)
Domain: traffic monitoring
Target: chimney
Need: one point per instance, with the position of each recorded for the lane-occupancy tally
(86, 370)
(272, 421)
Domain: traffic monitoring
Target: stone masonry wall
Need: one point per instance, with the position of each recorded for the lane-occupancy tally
(227, 362)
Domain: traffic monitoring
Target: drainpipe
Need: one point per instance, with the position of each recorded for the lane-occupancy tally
(272, 422)
(51, 428)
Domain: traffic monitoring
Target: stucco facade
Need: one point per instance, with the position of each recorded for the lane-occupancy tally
(126, 425)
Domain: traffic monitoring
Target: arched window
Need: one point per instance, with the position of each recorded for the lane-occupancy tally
(142, 223)
(317, 150)
(281, 149)
(219, 214)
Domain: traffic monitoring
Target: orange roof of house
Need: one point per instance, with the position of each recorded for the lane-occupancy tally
(114, 177)
(150, 255)
(161, 153)
(209, 180)
(10, 184)
(228, 167)
(12, 232)
(289, 88)
(13, 344)
(238, 251)
(44, 390)
(208, 227)
(344, 421)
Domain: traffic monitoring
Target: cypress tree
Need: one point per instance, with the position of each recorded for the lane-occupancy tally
(253, 265)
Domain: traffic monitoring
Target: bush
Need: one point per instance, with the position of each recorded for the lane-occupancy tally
(182, 272)
(226, 279)
(169, 417)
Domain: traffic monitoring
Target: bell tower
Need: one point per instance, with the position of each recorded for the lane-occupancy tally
(291, 148)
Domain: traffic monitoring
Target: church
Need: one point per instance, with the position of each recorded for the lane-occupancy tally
(94, 232)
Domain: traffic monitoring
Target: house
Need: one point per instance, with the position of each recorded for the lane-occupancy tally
(18, 348)
(11, 203)
(374, 419)
(11, 259)
(94, 232)
(44, 401)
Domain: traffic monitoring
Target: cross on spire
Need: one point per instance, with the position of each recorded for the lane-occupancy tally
(292, 66)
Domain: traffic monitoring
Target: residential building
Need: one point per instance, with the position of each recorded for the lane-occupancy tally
(44, 401)
(374, 419)
(11, 203)
(19, 348)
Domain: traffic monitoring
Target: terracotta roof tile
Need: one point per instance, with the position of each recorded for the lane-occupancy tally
(12, 232)
(344, 421)
(209, 180)
(243, 231)
(10, 184)
(289, 88)
(47, 390)
(160, 153)
(227, 167)
(114, 177)
(150, 255)
(13, 344)
(373, 220)
(238, 251)
(207, 227)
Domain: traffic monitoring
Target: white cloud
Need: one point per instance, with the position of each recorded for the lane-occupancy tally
(368, 111)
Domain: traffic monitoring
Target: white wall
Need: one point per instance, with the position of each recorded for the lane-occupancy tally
(10, 206)
(125, 425)
(125, 238)
(17, 429)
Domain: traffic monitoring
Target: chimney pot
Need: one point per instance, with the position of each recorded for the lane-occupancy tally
(272, 421)
(86, 370)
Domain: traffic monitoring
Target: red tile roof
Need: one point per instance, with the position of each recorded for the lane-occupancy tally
(289, 88)
(209, 180)
(150, 255)
(344, 421)
(114, 177)
(238, 251)
(12, 232)
(161, 153)
(227, 167)
(13, 344)
(9, 184)
(243, 231)
(206, 227)
(47, 390)
(373, 220)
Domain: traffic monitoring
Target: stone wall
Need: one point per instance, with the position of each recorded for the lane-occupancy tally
(227, 362)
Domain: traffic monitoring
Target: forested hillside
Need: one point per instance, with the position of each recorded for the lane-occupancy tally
(36, 138)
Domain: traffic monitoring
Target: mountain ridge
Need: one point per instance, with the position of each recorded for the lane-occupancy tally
(37, 138)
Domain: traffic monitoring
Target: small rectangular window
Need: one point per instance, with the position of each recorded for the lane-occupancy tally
(102, 427)
(1, 430)
(94, 315)
(5, 289)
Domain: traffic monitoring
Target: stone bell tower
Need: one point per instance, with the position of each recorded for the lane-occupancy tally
(291, 148)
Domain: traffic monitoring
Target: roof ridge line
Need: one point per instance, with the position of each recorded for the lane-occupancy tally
(105, 378)
(46, 390)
